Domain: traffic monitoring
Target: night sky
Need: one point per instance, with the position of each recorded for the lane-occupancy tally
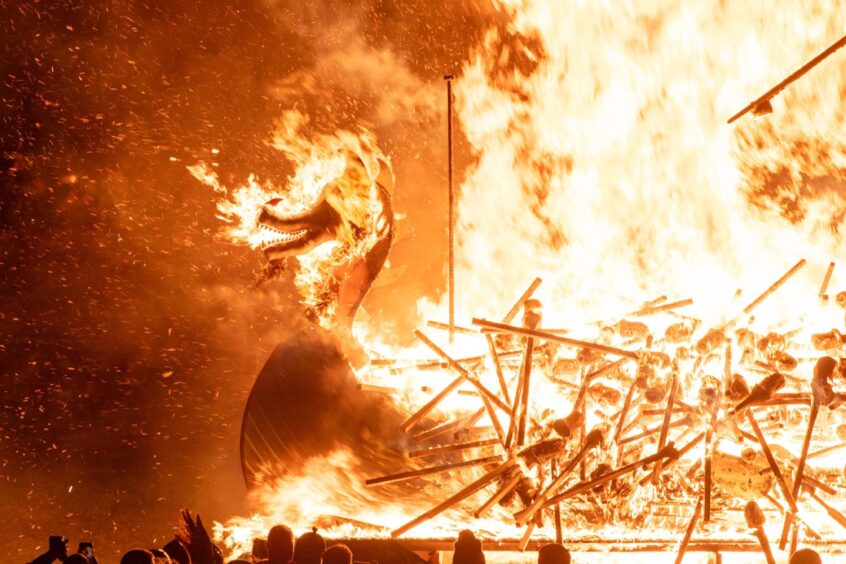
(129, 331)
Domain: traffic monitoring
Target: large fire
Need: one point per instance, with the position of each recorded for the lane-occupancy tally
(320, 163)
(604, 166)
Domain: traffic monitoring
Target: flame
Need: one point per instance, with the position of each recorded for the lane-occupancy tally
(603, 164)
(342, 168)
(607, 167)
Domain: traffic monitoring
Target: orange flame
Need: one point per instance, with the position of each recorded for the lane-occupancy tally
(604, 165)
(320, 164)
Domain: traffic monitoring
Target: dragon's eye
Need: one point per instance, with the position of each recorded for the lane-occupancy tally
(273, 202)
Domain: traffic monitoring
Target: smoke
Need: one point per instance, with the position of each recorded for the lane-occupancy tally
(129, 334)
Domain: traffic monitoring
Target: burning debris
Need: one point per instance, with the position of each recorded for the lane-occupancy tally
(576, 457)
(653, 423)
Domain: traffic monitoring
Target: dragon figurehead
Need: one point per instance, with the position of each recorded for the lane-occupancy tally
(349, 229)
(331, 226)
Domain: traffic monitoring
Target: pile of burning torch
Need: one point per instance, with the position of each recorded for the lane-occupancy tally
(539, 462)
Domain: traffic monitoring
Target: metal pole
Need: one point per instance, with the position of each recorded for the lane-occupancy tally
(449, 79)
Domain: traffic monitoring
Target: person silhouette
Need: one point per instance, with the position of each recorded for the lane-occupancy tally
(553, 553)
(138, 556)
(57, 549)
(177, 552)
(468, 549)
(160, 556)
(259, 549)
(87, 550)
(280, 545)
(338, 554)
(805, 556)
(309, 548)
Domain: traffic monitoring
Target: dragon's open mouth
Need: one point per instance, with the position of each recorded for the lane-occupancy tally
(271, 237)
(283, 235)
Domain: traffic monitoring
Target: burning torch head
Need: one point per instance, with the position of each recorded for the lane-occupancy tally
(762, 391)
(594, 438)
(821, 382)
(532, 313)
(754, 516)
(567, 426)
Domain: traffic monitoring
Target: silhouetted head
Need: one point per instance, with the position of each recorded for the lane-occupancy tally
(280, 545)
(137, 556)
(805, 556)
(553, 553)
(309, 548)
(86, 548)
(177, 552)
(338, 554)
(259, 550)
(76, 559)
(160, 556)
(468, 549)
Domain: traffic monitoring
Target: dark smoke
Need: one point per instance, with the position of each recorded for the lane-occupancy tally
(129, 334)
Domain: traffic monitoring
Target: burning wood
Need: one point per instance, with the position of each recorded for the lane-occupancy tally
(552, 337)
(451, 448)
(486, 393)
(537, 479)
(411, 474)
(757, 105)
(665, 426)
(821, 372)
(498, 368)
(832, 512)
(501, 493)
(675, 459)
(824, 287)
(668, 452)
(658, 308)
(771, 460)
(448, 427)
(454, 328)
(775, 286)
(761, 392)
(689, 531)
(531, 319)
(567, 427)
(458, 497)
(755, 520)
(827, 341)
(518, 305)
(662, 429)
(592, 440)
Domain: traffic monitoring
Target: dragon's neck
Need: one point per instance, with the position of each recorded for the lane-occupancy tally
(356, 276)
(351, 280)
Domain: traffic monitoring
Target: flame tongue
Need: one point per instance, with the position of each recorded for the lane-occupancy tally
(603, 164)
(609, 156)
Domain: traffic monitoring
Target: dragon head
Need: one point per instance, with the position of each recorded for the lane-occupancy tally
(340, 242)
(332, 223)
(353, 210)
(285, 235)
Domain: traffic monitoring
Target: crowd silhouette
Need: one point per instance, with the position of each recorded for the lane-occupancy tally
(193, 545)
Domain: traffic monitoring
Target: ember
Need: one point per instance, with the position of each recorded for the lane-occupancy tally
(566, 301)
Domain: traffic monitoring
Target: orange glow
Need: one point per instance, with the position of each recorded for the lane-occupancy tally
(603, 164)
